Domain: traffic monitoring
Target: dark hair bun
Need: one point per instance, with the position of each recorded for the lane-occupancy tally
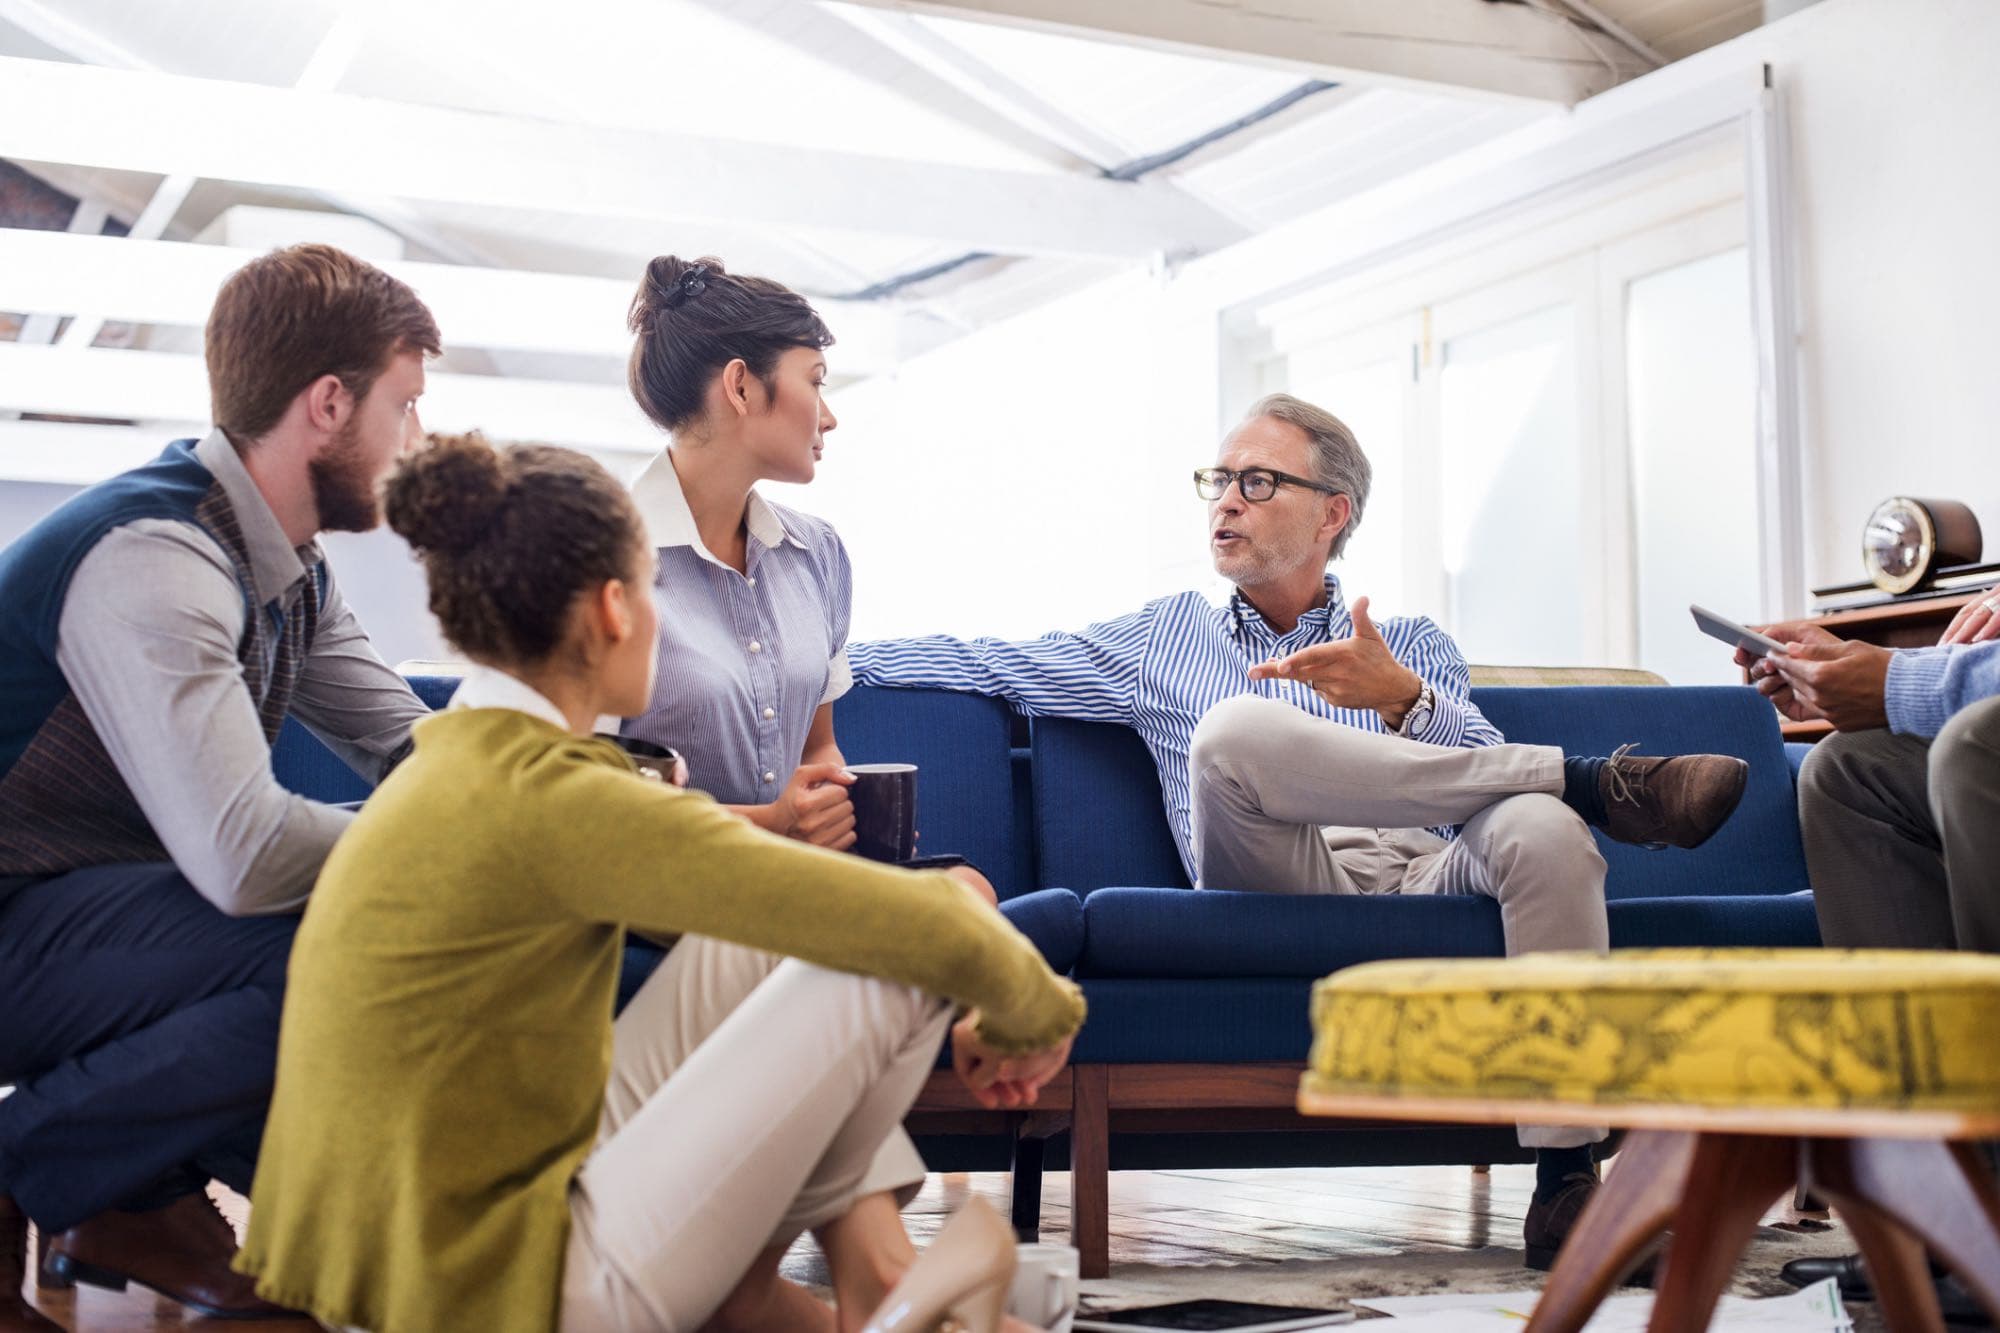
(669, 283)
(446, 496)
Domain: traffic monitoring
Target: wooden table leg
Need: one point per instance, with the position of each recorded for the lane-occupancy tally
(1732, 1180)
(1090, 1170)
(1625, 1216)
(1898, 1269)
(1941, 1192)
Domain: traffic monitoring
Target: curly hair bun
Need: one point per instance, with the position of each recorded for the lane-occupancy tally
(669, 282)
(445, 497)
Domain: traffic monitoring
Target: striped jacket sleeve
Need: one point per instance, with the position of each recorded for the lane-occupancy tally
(1091, 674)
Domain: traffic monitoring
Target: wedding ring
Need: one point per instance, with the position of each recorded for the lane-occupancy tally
(1992, 604)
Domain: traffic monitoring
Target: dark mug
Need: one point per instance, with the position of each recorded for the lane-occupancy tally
(656, 762)
(885, 810)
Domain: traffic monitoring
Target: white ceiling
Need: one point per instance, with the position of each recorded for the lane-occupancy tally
(829, 82)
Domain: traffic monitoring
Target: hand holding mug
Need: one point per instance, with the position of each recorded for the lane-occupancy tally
(814, 807)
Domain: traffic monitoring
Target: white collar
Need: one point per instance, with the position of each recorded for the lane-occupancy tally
(490, 687)
(669, 522)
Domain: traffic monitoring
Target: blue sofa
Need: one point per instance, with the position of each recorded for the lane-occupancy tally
(1198, 1001)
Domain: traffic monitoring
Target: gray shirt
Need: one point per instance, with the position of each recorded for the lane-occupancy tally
(148, 640)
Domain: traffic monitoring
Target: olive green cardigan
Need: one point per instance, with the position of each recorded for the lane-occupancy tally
(447, 1029)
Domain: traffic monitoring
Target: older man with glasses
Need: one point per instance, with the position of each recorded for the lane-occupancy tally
(1303, 748)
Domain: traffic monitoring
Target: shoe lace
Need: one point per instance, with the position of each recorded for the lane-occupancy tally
(1624, 787)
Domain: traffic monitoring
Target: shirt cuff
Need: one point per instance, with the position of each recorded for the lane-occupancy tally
(839, 677)
(1913, 695)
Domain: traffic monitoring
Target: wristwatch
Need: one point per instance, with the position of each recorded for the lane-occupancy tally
(1418, 720)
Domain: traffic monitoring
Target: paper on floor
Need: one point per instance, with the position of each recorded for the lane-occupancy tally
(1817, 1309)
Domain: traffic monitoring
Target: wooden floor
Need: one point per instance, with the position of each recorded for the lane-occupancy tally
(1181, 1218)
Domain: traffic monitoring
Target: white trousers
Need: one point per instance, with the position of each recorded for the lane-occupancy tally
(1285, 802)
(751, 1099)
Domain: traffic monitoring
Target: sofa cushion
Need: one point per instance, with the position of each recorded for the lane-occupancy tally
(1220, 1021)
(1053, 919)
(1099, 815)
(1756, 852)
(961, 744)
(1189, 934)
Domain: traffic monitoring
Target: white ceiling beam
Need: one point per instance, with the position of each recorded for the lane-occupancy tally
(135, 120)
(79, 455)
(114, 384)
(1462, 46)
(175, 282)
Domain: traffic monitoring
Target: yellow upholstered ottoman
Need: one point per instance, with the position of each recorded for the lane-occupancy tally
(1742, 1072)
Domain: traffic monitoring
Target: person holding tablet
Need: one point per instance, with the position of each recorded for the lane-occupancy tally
(461, 1137)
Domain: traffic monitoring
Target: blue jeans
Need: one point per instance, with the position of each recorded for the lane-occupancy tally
(140, 1030)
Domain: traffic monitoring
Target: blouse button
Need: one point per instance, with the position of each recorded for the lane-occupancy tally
(770, 713)
(770, 777)
(753, 580)
(756, 647)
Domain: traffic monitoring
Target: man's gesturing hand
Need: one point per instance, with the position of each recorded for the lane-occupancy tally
(1359, 672)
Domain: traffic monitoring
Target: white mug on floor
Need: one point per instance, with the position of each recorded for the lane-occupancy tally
(1044, 1290)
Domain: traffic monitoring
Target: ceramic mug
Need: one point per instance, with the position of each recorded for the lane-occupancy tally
(1044, 1292)
(885, 810)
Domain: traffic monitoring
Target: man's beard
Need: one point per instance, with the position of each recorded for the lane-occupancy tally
(343, 491)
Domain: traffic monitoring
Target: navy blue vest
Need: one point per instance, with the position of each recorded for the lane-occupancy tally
(63, 805)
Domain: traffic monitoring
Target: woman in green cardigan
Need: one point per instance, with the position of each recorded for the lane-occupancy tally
(460, 1137)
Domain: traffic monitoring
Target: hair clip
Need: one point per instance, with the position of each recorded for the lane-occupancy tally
(692, 283)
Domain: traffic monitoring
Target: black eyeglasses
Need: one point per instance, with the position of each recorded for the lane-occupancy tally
(1257, 484)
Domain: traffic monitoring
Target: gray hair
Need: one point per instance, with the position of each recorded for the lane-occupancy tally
(1337, 460)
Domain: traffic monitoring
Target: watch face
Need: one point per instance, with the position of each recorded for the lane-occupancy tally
(1897, 545)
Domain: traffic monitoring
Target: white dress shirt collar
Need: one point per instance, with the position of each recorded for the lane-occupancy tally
(669, 522)
(490, 687)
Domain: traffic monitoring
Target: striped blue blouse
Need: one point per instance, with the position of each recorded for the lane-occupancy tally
(745, 659)
(1161, 668)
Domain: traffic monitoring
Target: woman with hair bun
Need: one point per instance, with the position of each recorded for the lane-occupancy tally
(753, 642)
(754, 596)
(462, 1138)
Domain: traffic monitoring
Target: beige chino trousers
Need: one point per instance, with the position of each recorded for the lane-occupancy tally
(752, 1098)
(1285, 802)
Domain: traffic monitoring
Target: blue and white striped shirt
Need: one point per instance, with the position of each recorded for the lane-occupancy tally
(1161, 668)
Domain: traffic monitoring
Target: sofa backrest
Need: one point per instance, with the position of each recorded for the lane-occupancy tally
(960, 744)
(1099, 816)
(1099, 820)
(1757, 851)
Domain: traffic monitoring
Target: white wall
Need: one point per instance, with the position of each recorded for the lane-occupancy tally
(1896, 144)
(1033, 476)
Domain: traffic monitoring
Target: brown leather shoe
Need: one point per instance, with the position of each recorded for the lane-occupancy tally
(182, 1251)
(16, 1315)
(1550, 1222)
(1660, 802)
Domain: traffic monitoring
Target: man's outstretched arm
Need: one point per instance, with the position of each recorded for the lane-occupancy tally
(1091, 675)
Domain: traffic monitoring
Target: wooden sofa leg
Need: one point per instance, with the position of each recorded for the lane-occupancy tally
(1090, 1170)
(1027, 1188)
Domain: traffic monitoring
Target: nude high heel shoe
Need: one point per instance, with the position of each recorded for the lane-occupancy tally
(958, 1285)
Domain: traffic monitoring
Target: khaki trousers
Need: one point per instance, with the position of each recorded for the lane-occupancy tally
(751, 1099)
(1285, 802)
